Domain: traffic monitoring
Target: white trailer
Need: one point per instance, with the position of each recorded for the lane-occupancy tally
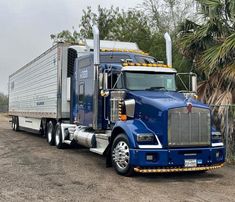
(39, 92)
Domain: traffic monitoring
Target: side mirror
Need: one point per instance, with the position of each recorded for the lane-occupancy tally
(194, 83)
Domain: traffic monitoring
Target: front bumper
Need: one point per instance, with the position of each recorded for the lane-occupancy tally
(173, 160)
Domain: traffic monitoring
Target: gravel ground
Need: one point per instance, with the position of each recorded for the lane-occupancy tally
(31, 170)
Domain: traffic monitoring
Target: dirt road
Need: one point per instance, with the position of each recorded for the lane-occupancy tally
(31, 170)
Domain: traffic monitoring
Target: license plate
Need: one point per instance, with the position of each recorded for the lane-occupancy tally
(190, 163)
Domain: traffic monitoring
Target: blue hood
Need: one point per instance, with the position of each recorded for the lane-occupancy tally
(164, 100)
(152, 109)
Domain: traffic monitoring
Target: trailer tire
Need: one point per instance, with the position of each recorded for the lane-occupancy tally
(120, 154)
(58, 137)
(15, 123)
(51, 133)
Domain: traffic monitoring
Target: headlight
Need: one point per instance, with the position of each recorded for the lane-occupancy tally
(145, 137)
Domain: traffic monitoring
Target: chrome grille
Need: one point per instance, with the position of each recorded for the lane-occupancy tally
(188, 128)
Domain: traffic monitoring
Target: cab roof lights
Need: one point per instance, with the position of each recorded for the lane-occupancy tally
(145, 65)
(123, 50)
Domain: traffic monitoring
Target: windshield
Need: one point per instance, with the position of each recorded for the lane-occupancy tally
(150, 81)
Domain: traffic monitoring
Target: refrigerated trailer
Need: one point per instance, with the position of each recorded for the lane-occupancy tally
(38, 92)
(119, 102)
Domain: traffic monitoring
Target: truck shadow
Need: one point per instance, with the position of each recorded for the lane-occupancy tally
(180, 177)
(193, 176)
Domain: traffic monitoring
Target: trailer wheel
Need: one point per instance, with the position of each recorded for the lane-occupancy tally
(50, 133)
(58, 137)
(15, 123)
(121, 156)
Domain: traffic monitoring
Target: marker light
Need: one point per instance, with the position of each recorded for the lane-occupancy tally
(123, 117)
(144, 64)
(124, 50)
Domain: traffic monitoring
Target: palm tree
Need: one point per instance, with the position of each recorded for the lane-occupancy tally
(211, 46)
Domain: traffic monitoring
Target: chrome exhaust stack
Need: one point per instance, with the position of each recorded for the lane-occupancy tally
(168, 49)
(96, 35)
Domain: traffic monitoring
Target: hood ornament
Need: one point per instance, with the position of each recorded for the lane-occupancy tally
(189, 107)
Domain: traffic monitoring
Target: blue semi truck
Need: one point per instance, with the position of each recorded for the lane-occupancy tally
(125, 105)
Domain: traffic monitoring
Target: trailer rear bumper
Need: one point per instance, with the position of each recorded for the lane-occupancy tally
(187, 159)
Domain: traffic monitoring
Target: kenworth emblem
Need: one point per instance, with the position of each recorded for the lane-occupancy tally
(189, 107)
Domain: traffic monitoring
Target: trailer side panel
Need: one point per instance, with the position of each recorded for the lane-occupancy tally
(33, 88)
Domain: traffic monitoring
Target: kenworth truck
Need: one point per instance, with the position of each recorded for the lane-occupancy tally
(119, 102)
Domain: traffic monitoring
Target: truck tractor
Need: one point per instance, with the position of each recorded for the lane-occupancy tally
(119, 102)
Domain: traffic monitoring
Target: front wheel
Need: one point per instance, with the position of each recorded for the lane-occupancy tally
(121, 156)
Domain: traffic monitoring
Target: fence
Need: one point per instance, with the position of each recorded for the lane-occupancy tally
(3, 108)
(224, 121)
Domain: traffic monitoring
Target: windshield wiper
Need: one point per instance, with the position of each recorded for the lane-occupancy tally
(157, 88)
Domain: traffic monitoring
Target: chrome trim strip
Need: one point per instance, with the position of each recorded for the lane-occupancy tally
(150, 146)
(218, 144)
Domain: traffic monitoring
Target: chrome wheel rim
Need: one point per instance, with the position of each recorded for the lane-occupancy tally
(49, 135)
(121, 155)
(57, 137)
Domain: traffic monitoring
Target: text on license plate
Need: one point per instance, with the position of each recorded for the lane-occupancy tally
(190, 162)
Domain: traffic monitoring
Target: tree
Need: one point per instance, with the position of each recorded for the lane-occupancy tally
(132, 26)
(165, 15)
(3, 102)
(66, 36)
(211, 46)
(105, 19)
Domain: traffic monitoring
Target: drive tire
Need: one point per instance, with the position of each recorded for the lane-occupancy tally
(121, 145)
(50, 133)
(58, 137)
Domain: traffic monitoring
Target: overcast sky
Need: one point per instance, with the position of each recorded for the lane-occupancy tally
(26, 25)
